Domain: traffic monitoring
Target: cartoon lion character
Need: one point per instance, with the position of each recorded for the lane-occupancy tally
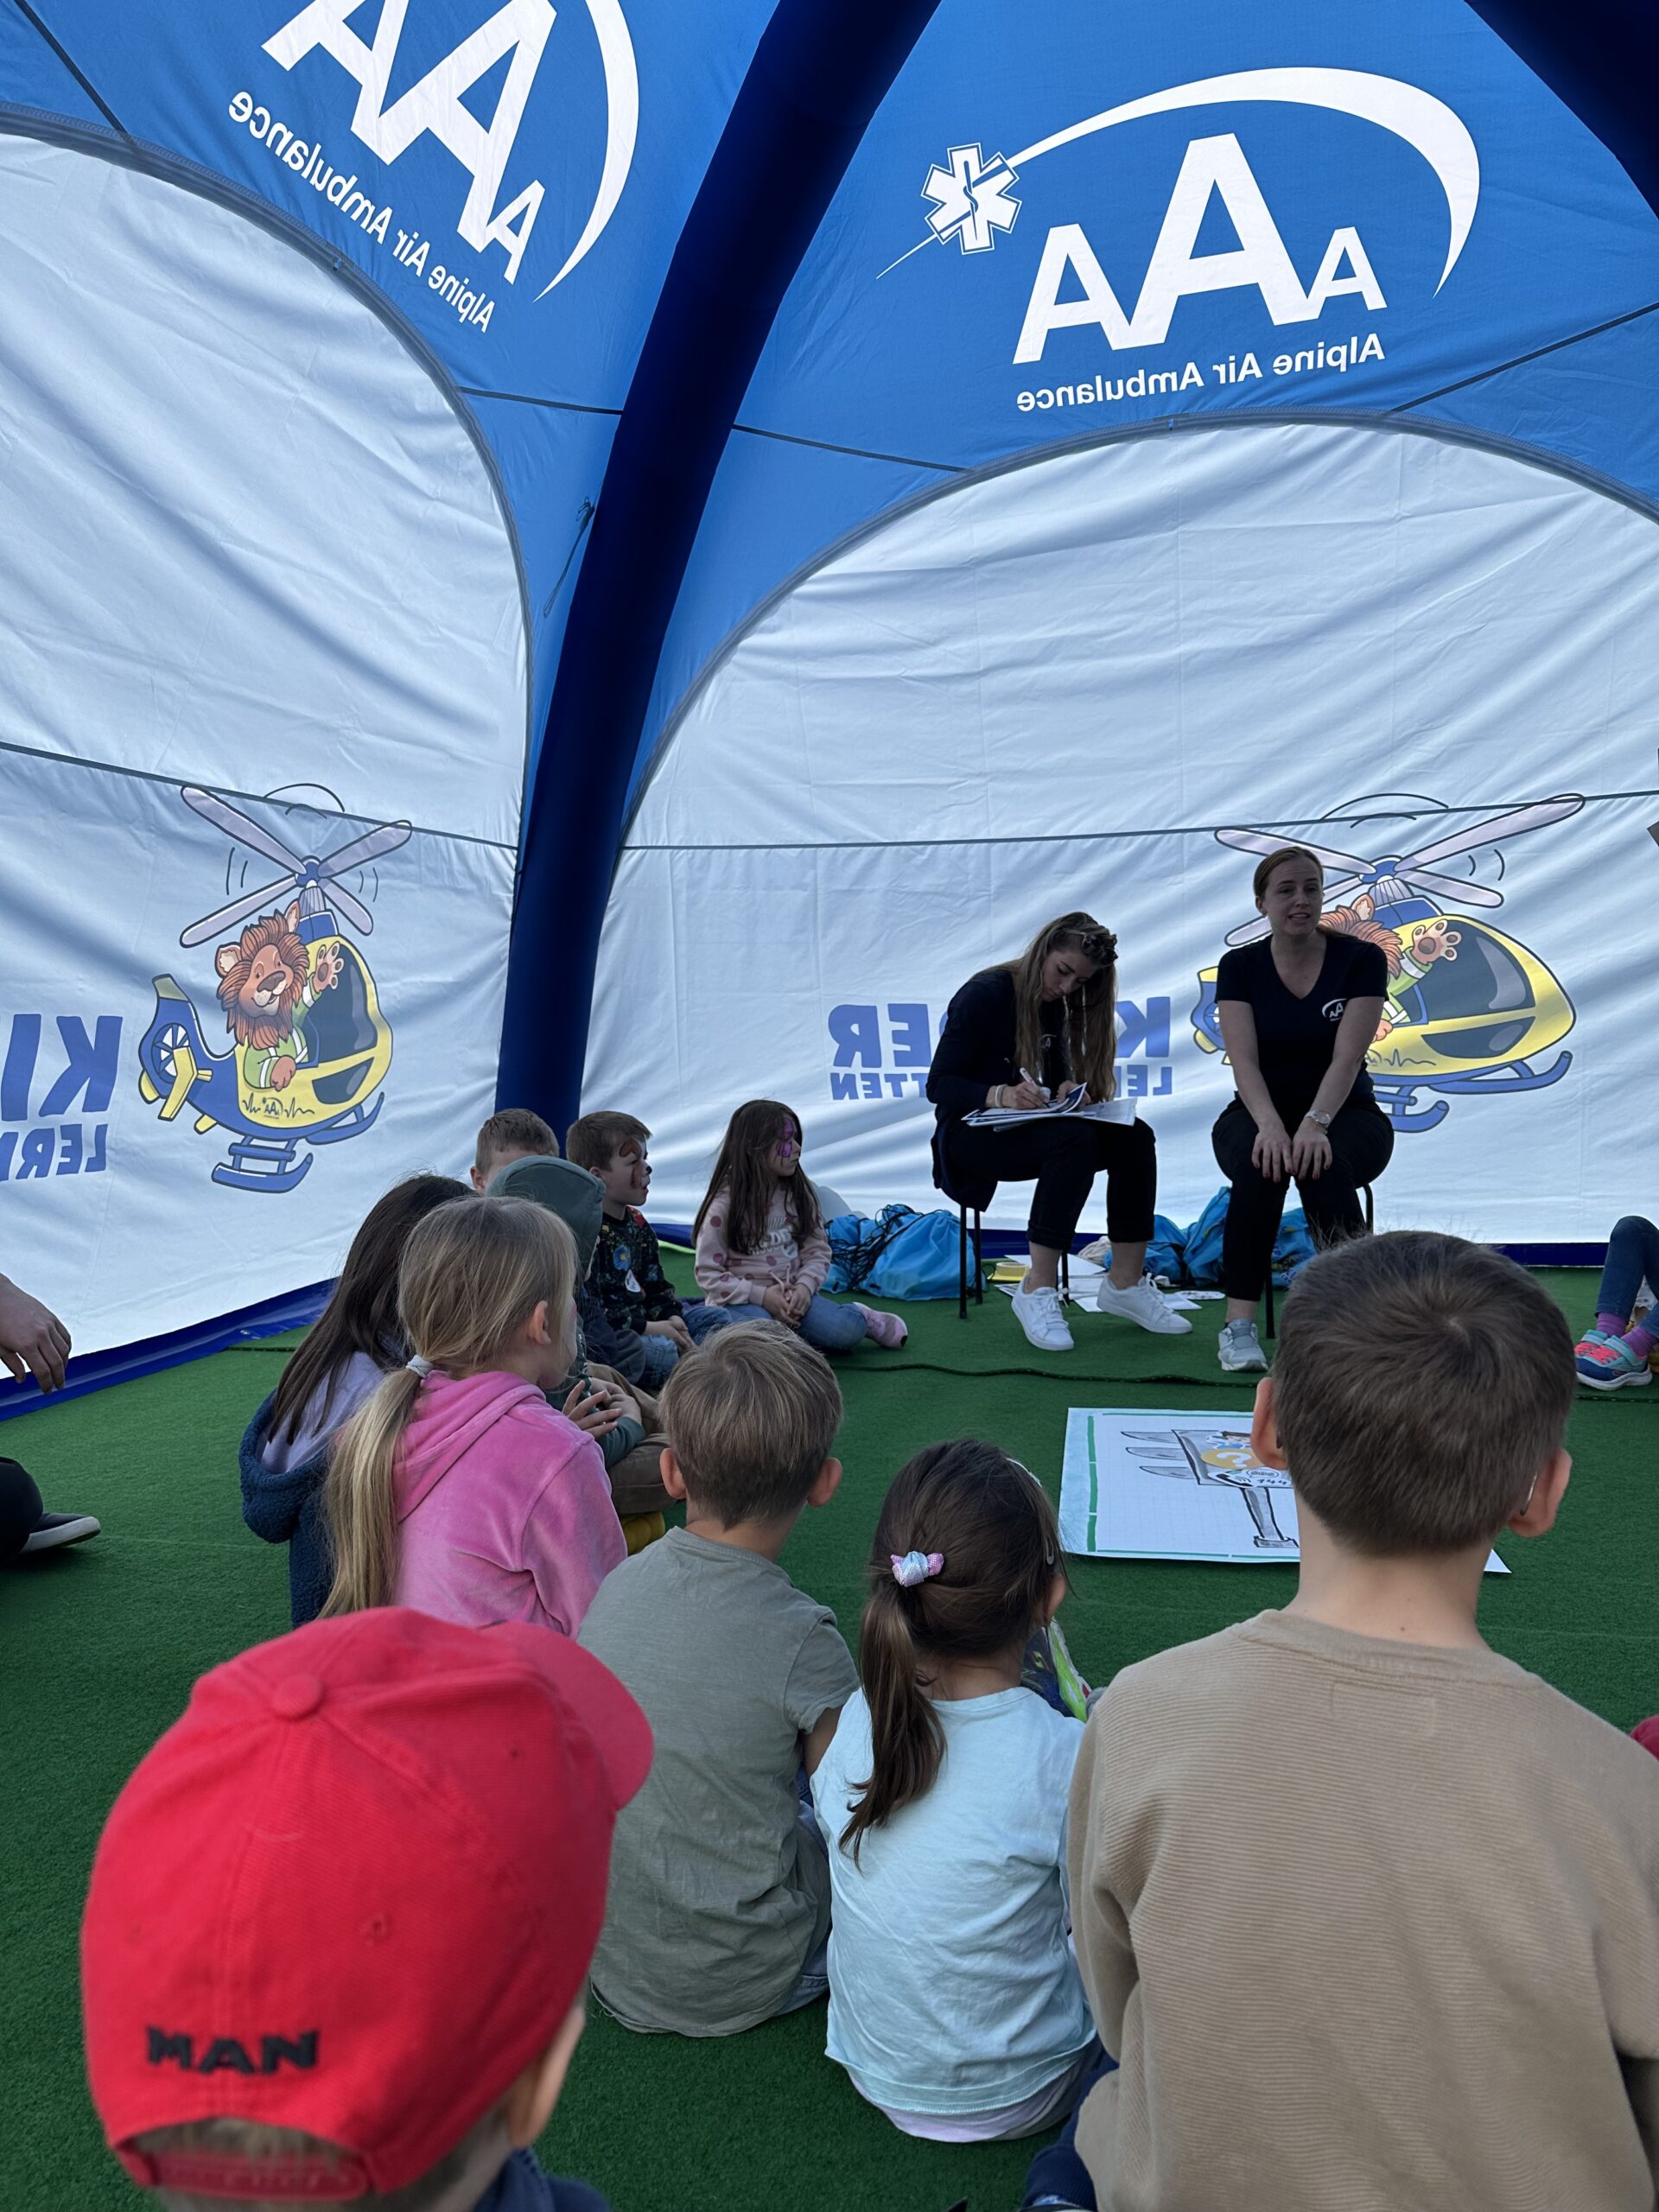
(1429, 942)
(267, 981)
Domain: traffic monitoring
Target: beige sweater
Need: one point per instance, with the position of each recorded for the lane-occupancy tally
(1371, 1928)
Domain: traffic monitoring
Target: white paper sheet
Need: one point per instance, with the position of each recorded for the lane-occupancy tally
(1175, 1484)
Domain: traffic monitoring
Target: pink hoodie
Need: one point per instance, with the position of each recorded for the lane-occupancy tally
(504, 1507)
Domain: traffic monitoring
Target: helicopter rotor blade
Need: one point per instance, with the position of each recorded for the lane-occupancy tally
(354, 909)
(237, 826)
(1514, 823)
(1249, 932)
(1450, 889)
(237, 911)
(1258, 840)
(369, 847)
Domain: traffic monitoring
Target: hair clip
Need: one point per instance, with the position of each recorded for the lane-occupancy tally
(915, 1567)
(416, 1365)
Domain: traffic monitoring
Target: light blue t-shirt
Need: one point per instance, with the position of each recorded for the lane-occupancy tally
(952, 1986)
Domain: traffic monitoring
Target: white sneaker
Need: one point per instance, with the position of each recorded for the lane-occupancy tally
(1143, 1304)
(1038, 1312)
(1241, 1348)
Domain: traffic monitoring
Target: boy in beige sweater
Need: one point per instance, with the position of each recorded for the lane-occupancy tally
(1369, 1915)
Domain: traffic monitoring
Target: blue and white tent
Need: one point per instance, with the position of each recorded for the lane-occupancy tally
(736, 514)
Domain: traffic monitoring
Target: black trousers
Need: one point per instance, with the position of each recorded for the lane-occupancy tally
(1362, 1141)
(1065, 1156)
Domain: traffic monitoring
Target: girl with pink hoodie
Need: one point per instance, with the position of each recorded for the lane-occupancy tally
(457, 1488)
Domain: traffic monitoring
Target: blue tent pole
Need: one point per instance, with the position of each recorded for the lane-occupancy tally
(820, 72)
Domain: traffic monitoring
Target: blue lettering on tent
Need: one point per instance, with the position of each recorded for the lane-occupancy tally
(86, 1076)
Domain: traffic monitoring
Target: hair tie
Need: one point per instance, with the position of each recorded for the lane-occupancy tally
(416, 1365)
(915, 1567)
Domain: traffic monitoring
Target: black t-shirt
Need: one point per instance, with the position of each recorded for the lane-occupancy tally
(1295, 1038)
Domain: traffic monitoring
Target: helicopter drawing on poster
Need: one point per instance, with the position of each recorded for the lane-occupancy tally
(310, 1044)
(1472, 1012)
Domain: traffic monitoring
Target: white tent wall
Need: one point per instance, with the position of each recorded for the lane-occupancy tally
(253, 551)
(1053, 686)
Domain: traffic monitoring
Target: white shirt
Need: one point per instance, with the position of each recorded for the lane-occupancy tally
(952, 1985)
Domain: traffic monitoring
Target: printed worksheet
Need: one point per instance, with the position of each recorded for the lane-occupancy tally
(1171, 1484)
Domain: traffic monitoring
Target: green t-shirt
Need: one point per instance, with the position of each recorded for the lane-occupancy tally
(718, 1895)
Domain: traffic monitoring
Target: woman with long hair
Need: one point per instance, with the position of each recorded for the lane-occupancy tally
(356, 1339)
(1014, 1036)
(456, 1488)
(1298, 1009)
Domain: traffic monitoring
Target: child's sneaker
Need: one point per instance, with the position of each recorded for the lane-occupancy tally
(884, 1329)
(1608, 1363)
(1240, 1348)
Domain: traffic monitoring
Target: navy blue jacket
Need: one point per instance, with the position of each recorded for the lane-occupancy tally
(286, 1509)
(521, 2186)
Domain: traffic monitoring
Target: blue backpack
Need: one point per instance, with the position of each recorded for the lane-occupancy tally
(901, 1254)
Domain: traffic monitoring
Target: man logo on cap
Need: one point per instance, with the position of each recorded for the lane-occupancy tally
(226, 2053)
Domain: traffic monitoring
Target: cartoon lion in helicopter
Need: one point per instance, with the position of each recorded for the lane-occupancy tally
(268, 982)
(1470, 1010)
(311, 1045)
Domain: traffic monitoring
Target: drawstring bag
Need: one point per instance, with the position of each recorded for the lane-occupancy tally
(901, 1254)
(1202, 1253)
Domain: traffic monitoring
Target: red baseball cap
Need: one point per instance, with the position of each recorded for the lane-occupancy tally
(354, 1891)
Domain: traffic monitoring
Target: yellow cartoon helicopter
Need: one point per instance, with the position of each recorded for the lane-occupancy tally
(1470, 1011)
(311, 1045)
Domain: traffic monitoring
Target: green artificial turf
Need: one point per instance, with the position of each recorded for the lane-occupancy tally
(98, 1647)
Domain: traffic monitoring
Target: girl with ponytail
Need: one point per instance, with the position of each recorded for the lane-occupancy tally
(954, 2002)
(456, 1488)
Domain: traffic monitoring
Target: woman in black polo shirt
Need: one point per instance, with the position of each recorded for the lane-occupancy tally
(1298, 1012)
(1014, 1036)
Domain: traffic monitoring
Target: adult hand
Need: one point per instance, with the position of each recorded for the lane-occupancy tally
(1024, 1097)
(33, 1341)
(777, 1302)
(1270, 1154)
(1311, 1154)
(591, 1407)
(674, 1328)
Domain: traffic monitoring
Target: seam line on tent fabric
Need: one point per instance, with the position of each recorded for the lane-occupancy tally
(530, 399)
(858, 453)
(1556, 345)
(230, 791)
(73, 68)
(1087, 837)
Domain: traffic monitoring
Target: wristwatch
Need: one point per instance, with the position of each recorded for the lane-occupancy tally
(1320, 1120)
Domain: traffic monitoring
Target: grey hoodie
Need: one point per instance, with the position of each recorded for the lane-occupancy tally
(578, 1199)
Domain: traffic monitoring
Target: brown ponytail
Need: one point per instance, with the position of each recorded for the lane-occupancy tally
(992, 1524)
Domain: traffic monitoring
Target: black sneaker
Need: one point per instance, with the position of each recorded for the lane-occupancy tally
(53, 1531)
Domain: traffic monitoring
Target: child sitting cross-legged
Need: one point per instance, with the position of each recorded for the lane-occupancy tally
(1614, 1355)
(761, 1249)
(720, 1890)
(341, 1919)
(457, 1488)
(626, 1275)
(955, 2003)
(1369, 1914)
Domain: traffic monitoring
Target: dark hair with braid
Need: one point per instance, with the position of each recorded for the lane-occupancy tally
(993, 1524)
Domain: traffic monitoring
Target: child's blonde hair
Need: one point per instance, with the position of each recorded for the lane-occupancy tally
(473, 1272)
(260, 2145)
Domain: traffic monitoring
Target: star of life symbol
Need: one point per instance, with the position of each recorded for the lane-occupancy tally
(973, 199)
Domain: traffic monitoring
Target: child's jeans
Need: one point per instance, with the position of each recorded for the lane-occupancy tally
(1057, 2175)
(1632, 1255)
(826, 1326)
(663, 1354)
